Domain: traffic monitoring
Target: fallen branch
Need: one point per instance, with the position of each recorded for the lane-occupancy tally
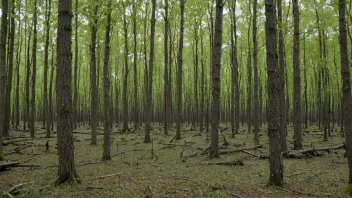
(111, 175)
(86, 163)
(255, 155)
(174, 177)
(225, 163)
(15, 165)
(16, 189)
(239, 149)
(122, 152)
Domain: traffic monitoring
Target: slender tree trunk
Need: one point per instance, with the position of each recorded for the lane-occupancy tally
(256, 77)
(3, 36)
(216, 65)
(149, 91)
(51, 110)
(202, 84)
(46, 63)
(166, 68)
(125, 77)
(283, 123)
(34, 70)
(296, 79)
(275, 160)
(107, 119)
(67, 170)
(179, 73)
(75, 77)
(18, 63)
(135, 79)
(93, 76)
(9, 72)
(28, 71)
(196, 62)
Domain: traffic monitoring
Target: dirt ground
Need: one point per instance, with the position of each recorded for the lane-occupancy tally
(164, 169)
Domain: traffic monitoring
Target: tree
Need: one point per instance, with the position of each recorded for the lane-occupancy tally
(3, 37)
(256, 80)
(216, 65)
(179, 73)
(149, 91)
(46, 65)
(125, 71)
(34, 70)
(107, 119)
(66, 170)
(10, 71)
(283, 124)
(166, 68)
(275, 159)
(346, 86)
(93, 75)
(135, 77)
(296, 79)
(75, 83)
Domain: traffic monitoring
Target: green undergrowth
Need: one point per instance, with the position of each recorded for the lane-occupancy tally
(159, 170)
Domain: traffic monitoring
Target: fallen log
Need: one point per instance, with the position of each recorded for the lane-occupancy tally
(226, 163)
(16, 189)
(6, 166)
(255, 155)
(327, 149)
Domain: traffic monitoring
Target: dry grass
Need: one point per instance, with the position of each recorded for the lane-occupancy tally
(166, 175)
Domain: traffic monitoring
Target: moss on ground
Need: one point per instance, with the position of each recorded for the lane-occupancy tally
(166, 175)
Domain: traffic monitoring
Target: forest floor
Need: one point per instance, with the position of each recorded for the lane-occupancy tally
(135, 172)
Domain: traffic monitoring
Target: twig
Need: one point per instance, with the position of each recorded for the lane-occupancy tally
(174, 177)
(111, 175)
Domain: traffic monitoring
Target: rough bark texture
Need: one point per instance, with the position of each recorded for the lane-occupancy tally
(107, 119)
(283, 125)
(93, 77)
(149, 91)
(3, 36)
(179, 73)
(216, 65)
(296, 79)
(346, 85)
(275, 160)
(66, 170)
(256, 77)
(46, 63)
(34, 70)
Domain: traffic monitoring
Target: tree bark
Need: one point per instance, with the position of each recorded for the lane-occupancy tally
(93, 75)
(75, 83)
(346, 86)
(149, 91)
(135, 79)
(283, 123)
(66, 170)
(9, 72)
(216, 65)
(46, 63)
(296, 79)
(179, 73)
(107, 119)
(274, 89)
(3, 37)
(166, 69)
(34, 71)
(125, 77)
(256, 77)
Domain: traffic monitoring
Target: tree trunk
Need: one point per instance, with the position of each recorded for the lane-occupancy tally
(125, 77)
(34, 70)
(256, 77)
(75, 77)
(4, 14)
(28, 71)
(9, 72)
(283, 123)
(296, 79)
(275, 160)
(66, 170)
(346, 86)
(18, 63)
(166, 68)
(107, 119)
(46, 63)
(216, 65)
(51, 110)
(149, 91)
(135, 79)
(93, 76)
(179, 73)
